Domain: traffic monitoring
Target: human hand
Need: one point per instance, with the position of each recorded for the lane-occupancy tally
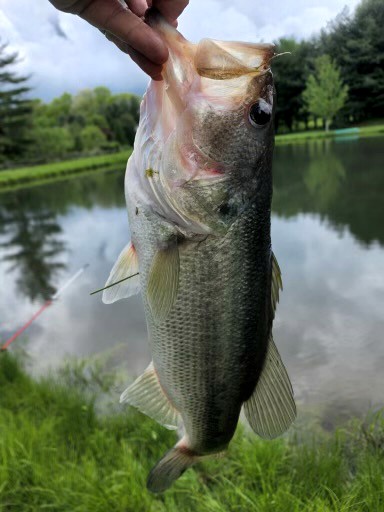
(123, 25)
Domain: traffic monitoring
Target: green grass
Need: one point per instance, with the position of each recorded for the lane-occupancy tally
(297, 137)
(24, 176)
(368, 130)
(38, 174)
(58, 453)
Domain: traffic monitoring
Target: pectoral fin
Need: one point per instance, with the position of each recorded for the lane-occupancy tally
(126, 265)
(271, 408)
(163, 281)
(147, 395)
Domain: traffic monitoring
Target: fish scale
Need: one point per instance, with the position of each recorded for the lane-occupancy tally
(210, 338)
(199, 189)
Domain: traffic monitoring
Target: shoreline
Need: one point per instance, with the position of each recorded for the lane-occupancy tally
(29, 176)
(354, 133)
(34, 175)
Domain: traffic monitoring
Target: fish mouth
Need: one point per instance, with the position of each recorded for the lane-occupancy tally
(188, 73)
(217, 60)
(225, 60)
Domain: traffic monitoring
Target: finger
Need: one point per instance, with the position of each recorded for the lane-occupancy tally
(152, 69)
(146, 65)
(170, 9)
(111, 16)
(138, 7)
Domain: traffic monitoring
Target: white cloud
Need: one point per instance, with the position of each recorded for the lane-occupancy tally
(330, 312)
(86, 59)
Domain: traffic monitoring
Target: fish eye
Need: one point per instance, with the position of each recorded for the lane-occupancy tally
(260, 113)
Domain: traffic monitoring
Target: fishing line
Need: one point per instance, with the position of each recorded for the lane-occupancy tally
(44, 307)
(113, 284)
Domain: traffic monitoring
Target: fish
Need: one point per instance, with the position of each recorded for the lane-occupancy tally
(198, 190)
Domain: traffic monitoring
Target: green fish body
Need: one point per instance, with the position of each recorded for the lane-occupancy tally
(199, 189)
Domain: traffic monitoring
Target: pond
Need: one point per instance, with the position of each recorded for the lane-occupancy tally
(328, 236)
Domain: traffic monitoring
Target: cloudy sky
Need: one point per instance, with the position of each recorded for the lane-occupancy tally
(81, 57)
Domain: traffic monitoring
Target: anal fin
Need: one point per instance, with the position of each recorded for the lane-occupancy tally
(126, 265)
(271, 409)
(147, 395)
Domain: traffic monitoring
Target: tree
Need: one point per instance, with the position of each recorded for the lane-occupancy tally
(122, 114)
(325, 93)
(15, 109)
(50, 142)
(290, 73)
(356, 43)
(56, 113)
(92, 137)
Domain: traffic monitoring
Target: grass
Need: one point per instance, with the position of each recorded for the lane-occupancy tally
(36, 174)
(58, 453)
(298, 137)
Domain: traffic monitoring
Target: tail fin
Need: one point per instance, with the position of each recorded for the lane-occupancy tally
(171, 467)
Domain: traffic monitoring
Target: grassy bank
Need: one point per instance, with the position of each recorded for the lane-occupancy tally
(37, 174)
(307, 136)
(58, 454)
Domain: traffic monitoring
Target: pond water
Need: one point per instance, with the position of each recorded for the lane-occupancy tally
(328, 236)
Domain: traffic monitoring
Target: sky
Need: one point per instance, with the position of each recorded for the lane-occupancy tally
(62, 53)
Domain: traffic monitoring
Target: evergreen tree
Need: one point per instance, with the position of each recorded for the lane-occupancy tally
(31, 243)
(15, 109)
(325, 93)
(290, 72)
(356, 44)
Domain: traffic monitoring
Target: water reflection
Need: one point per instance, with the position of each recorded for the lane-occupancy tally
(341, 181)
(324, 175)
(329, 322)
(328, 235)
(31, 243)
(31, 234)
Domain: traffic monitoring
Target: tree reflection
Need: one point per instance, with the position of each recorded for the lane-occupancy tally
(30, 231)
(342, 181)
(324, 175)
(32, 244)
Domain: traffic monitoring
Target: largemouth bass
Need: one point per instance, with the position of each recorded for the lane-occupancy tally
(198, 189)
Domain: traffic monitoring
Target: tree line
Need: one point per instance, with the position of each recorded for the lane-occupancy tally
(337, 76)
(89, 122)
(355, 46)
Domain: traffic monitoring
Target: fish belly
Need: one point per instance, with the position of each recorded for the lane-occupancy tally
(209, 352)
